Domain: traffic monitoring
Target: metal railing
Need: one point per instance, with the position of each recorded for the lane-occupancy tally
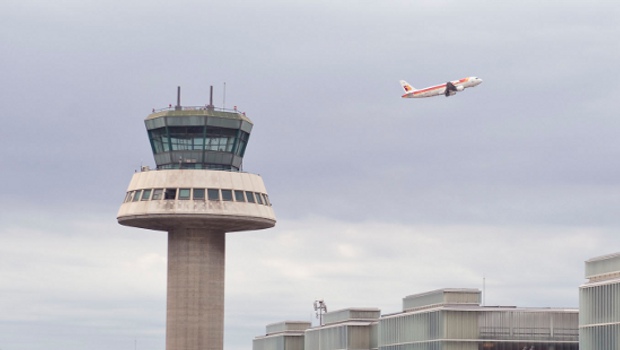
(197, 108)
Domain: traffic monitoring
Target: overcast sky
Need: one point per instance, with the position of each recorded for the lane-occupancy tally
(515, 181)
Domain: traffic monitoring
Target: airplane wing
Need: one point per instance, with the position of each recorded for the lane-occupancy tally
(450, 89)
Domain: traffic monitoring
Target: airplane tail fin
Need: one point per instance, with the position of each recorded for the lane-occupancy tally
(408, 88)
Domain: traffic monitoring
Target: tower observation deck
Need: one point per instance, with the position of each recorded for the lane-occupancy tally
(197, 194)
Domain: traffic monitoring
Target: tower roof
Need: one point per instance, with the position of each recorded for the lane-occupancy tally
(185, 111)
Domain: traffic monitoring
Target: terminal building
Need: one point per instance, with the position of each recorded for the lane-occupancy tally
(287, 335)
(599, 304)
(444, 319)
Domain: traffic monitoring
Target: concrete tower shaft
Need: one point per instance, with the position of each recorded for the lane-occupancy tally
(195, 310)
(197, 194)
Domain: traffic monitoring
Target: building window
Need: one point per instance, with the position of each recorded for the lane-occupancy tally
(213, 194)
(243, 141)
(220, 139)
(170, 193)
(159, 141)
(239, 197)
(267, 202)
(184, 193)
(186, 138)
(128, 197)
(227, 195)
(259, 198)
(199, 193)
(250, 196)
(157, 194)
(146, 195)
(136, 196)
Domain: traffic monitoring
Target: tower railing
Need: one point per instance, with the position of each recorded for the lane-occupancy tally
(197, 108)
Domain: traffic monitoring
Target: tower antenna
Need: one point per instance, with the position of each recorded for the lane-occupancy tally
(210, 106)
(178, 106)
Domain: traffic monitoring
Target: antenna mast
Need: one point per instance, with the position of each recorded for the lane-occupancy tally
(178, 106)
(320, 308)
(210, 106)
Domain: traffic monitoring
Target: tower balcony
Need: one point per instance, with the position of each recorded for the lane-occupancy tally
(220, 201)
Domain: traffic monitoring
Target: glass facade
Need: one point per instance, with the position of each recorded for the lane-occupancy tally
(345, 336)
(282, 336)
(198, 139)
(599, 304)
(283, 342)
(479, 329)
(449, 319)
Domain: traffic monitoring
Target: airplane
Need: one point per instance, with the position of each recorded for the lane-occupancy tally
(448, 89)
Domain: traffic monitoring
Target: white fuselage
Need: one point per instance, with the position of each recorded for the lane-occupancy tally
(436, 90)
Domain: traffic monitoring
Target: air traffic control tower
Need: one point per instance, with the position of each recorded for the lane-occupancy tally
(197, 194)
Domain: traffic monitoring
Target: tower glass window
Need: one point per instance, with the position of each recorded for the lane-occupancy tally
(186, 138)
(136, 196)
(157, 194)
(267, 199)
(170, 193)
(227, 195)
(239, 197)
(250, 196)
(199, 193)
(220, 139)
(184, 193)
(199, 139)
(213, 194)
(146, 195)
(159, 140)
(243, 141)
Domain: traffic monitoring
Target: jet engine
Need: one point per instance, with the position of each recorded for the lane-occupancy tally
(460, 88)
